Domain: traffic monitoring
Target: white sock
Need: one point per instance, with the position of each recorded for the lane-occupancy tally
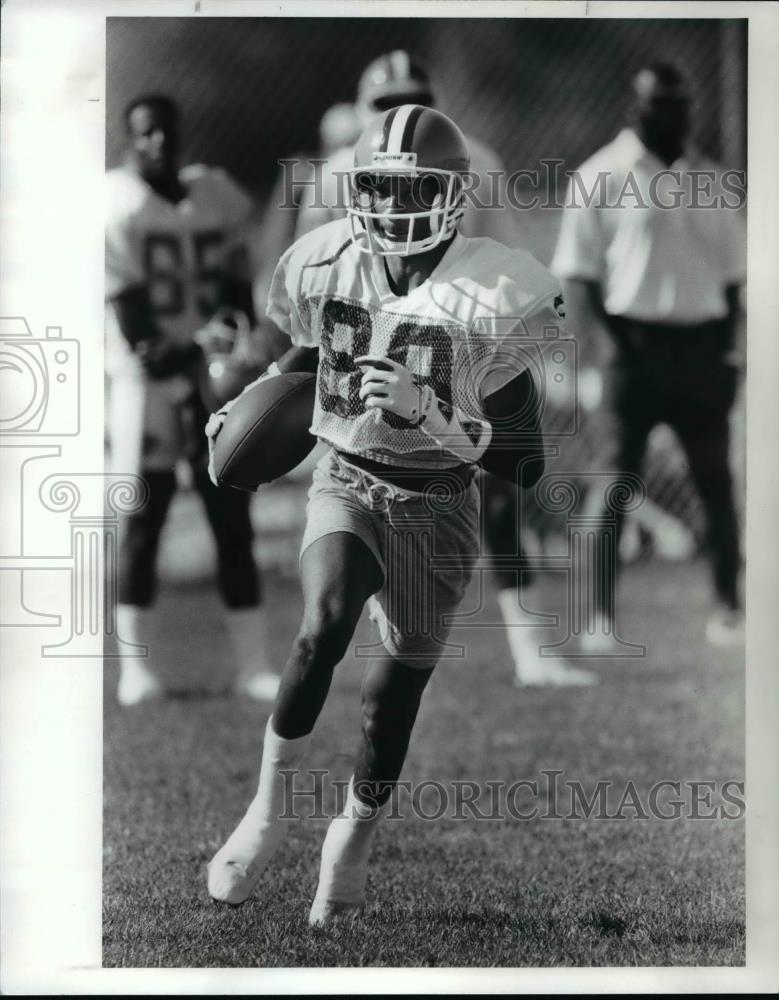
(137, 679)
(522, 638)
(529, 666)
(237, 866)
(248, 631)
(133, 625)
(345, 852)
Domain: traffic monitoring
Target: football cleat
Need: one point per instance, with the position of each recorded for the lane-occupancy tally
(555, 674)
(324, 911)
(600, 641)
(248, 630)
(423, 149)
(137, 683)
(725, 629)
(531, 669)
(258, 687)
(231, 881)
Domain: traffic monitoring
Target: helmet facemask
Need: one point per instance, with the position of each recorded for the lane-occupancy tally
(434, 221)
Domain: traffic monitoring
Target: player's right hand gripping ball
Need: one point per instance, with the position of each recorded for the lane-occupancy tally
(265, 434)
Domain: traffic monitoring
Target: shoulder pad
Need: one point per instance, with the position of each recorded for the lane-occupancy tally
(323, 245)
(522, 283)
(125, 192)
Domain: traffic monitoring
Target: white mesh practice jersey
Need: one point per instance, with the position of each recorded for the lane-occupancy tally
(470, 328)
(176, 250)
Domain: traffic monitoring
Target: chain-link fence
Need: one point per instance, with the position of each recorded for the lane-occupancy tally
(253, 91)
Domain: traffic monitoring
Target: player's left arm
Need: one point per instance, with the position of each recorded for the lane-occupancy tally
(506, 441)
(513, 404)
(516, 449)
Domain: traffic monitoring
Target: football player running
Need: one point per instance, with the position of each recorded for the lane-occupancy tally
(418, 336)
(170, 237)
(389, 81)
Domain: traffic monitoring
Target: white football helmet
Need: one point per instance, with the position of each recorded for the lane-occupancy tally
(390, 80)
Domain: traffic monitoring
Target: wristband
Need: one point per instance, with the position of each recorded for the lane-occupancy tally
(426, 405)
(458, 432)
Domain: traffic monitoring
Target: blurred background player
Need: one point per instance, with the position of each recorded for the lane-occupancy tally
(532, 88)
(389, 81)
(663, 282)
(173, 239)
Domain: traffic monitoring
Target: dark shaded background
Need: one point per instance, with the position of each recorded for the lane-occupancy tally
(254, 89)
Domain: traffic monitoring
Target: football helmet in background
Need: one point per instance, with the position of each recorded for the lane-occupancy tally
(393, 79)
(416, 142)
(340, 126)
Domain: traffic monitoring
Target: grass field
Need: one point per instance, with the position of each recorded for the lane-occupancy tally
(542, 892)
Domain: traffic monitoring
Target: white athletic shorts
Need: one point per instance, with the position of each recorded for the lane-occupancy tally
(425, 543)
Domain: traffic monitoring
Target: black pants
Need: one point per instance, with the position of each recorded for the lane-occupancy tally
(502, 533)
(679, 376)
(227, 511)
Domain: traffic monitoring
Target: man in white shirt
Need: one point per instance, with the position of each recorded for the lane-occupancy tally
(651, 249)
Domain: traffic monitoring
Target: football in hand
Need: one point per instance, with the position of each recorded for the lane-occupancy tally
(266, 433)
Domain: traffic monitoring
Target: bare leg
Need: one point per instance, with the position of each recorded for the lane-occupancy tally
(391, 694)
(339, 573)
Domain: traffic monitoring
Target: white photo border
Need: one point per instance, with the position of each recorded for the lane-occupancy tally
(52, 158)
